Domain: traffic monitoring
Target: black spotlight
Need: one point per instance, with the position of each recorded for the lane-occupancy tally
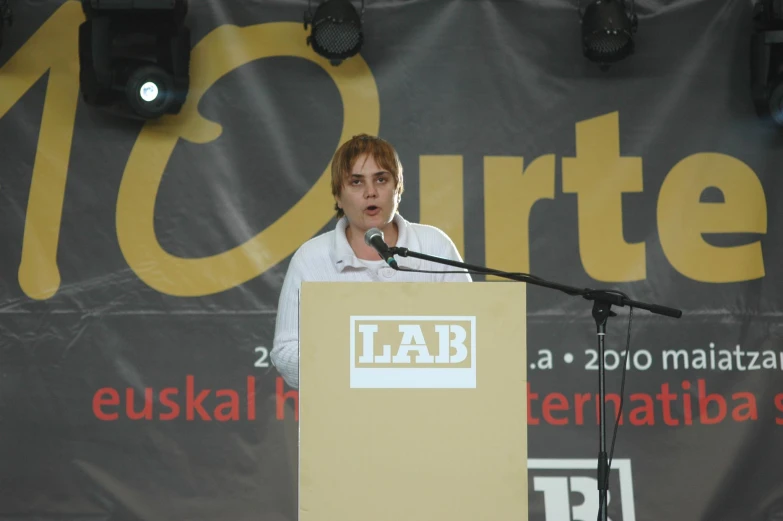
(134, 56)
(337, 29)
(766, 60)
(608, 30)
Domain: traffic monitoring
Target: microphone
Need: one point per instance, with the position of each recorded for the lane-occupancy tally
(374, 238)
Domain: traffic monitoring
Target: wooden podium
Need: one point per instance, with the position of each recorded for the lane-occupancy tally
(413, 402)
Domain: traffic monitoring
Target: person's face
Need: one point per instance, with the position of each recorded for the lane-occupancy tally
(368, 197)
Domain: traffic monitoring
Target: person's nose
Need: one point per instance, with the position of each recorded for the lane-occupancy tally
(371, 191)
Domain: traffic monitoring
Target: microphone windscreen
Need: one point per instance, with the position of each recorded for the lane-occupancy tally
(370, 234)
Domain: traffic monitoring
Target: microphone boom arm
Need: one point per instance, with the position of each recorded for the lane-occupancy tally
(611, 297)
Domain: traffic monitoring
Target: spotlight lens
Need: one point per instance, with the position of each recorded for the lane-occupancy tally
(148, 91)
(338, 38)
(607, 42)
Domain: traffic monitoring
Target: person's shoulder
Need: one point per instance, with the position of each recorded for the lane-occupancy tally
(315, 247)
(431, 238)
(428, 232)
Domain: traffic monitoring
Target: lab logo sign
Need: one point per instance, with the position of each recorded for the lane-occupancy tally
(414, 352)
(567, 490)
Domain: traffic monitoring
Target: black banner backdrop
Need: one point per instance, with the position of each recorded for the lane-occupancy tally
(142, 262)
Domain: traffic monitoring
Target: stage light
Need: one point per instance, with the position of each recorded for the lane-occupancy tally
(336, 29)
(766, 60)
(134, 56)
(608, 30)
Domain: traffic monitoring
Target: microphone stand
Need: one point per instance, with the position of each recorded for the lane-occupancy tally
(603, 300)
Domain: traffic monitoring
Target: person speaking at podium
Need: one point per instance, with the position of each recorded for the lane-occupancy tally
(367, 185)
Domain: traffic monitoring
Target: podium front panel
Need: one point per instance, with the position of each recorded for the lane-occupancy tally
(413, 402)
